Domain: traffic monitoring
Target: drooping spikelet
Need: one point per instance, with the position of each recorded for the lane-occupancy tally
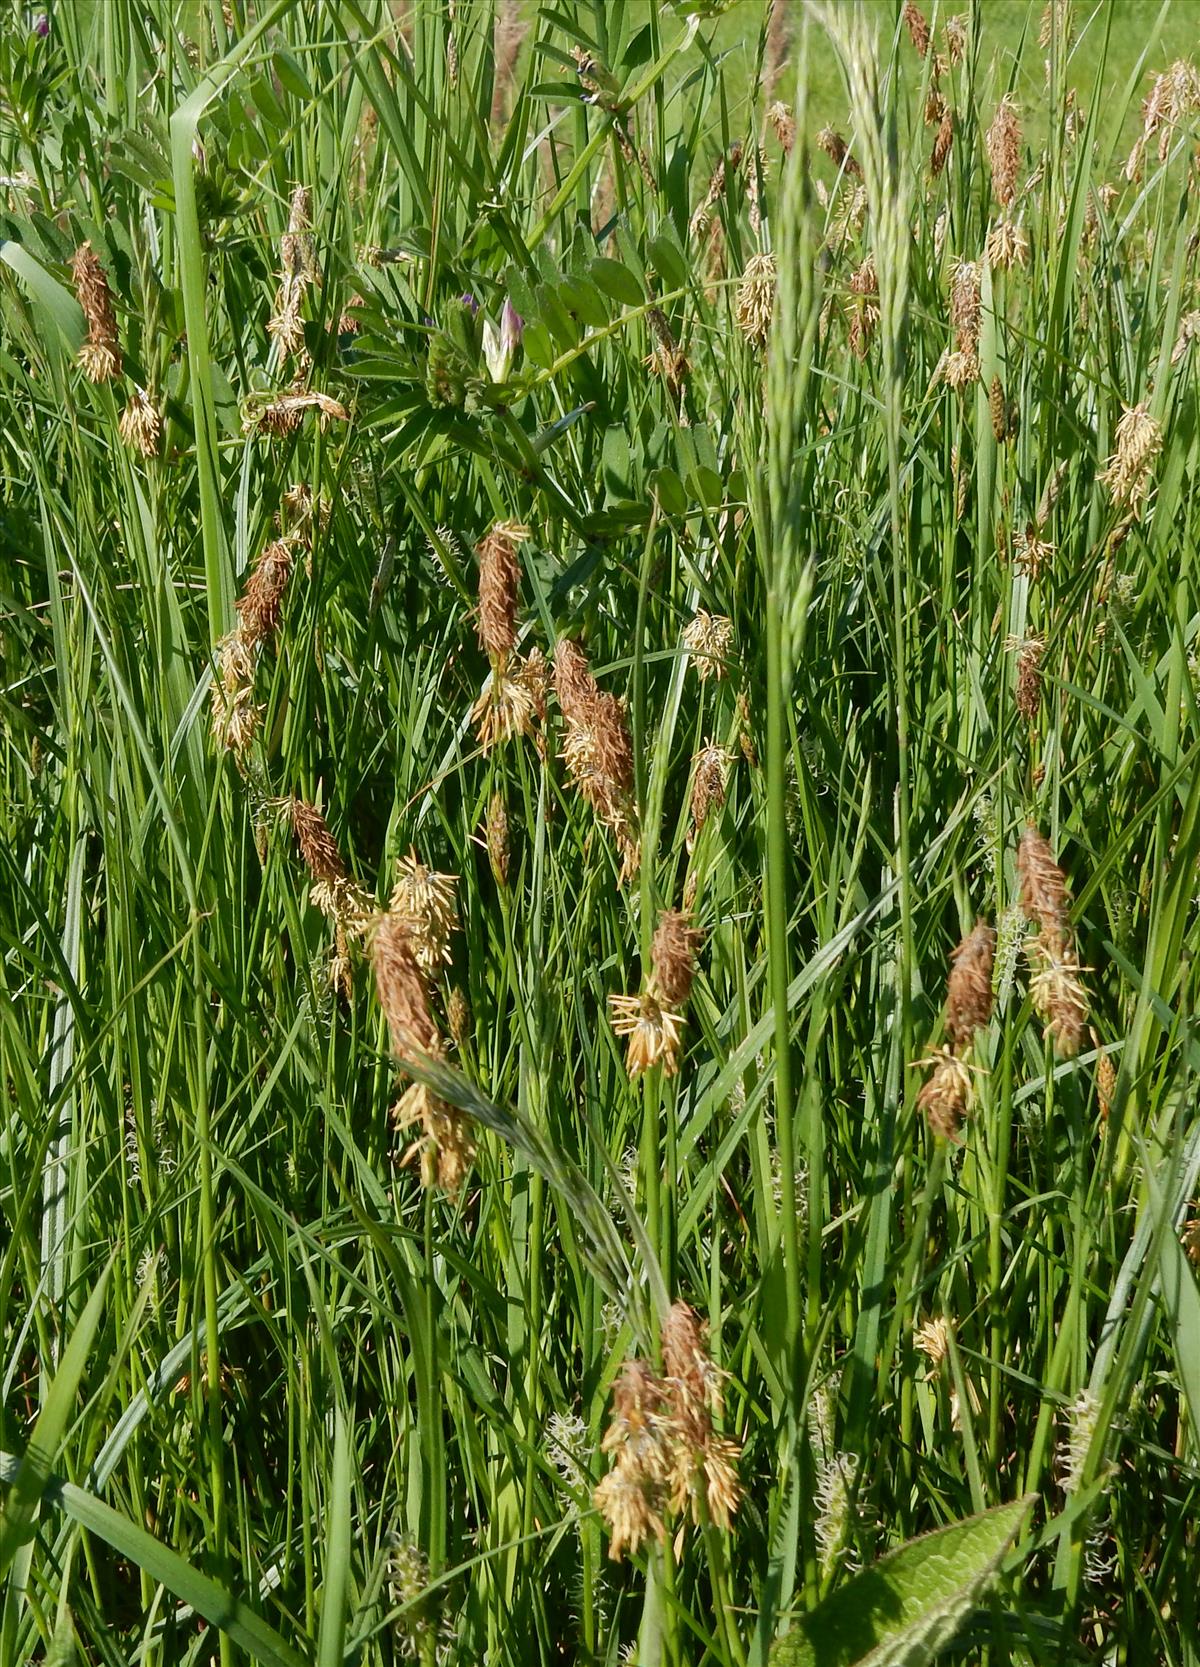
(1004, 151)
(1174, 95)
(1043, 886)
(969, 986)
(918, 28)
(100, 355)
(708, 638)
(499, 578)
(1031, 551)
(783, 124)
(673, 957)
(505, 706)
(598, 751)
(652, 1021)
(947, 1095)
(280, 415)
(260, 604)
(1029, 652)
(447, 1145)
(838, 152)
(756, 299)
(317, 844)
(965, 305)
(496, 838)
(1007, 245)
(1129, 471)
(1056, 985)
(140, 425)
(630, 1496)
(943, 141)
(709, 770)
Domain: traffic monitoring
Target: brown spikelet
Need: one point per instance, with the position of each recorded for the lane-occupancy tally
(260, 604)
(918, 28)
(1004, 151)
(1050, 493)
(499, 578)
(401, 989)
(783, 124)
(1106, 1079)
(998, 410)
(969, 986)
(965, 305)
(100, 355)
(573, 681)
(837, 150)
(1029, 652)
(710, 767)
(317, 845)
(942, 143)
(673, 957)
(496, 838)
(1043, 887)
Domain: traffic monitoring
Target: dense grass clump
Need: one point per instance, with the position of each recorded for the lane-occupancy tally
(600, 821)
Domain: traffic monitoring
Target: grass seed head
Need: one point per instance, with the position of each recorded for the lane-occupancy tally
(317, 844)
(673, 957)
(969, 986)
(1043, 887)
(947, 1096)
(653, 1034)
(918, 28)
(422, 901)
(499, 579)
(1004, 151)
(100, 355)
(943, 143)
(1007, 245)
(496, 838)
(260, 604)
(710, 769)
(708, 638)
(783, 125)
(1129, 471)
(140, 425)
(756, 299)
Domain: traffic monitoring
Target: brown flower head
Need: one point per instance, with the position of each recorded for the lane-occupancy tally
(708, 639)
(947, 1096)
(100, 355)
(1043, 887)
(317, 844)
(673, 957)
(499, 578)
(969, 987)
(1004, 151)
(260, 604)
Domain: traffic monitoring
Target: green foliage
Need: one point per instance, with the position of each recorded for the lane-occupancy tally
(262, 1394)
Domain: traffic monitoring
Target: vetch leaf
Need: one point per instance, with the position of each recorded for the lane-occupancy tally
(904, 1608)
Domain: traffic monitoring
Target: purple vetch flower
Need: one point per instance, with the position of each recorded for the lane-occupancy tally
(41, 26)
(470, 303)
(512, 328)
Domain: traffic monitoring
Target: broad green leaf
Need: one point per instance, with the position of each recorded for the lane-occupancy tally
(899, 1612)
(46, 290)
(617, 280)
